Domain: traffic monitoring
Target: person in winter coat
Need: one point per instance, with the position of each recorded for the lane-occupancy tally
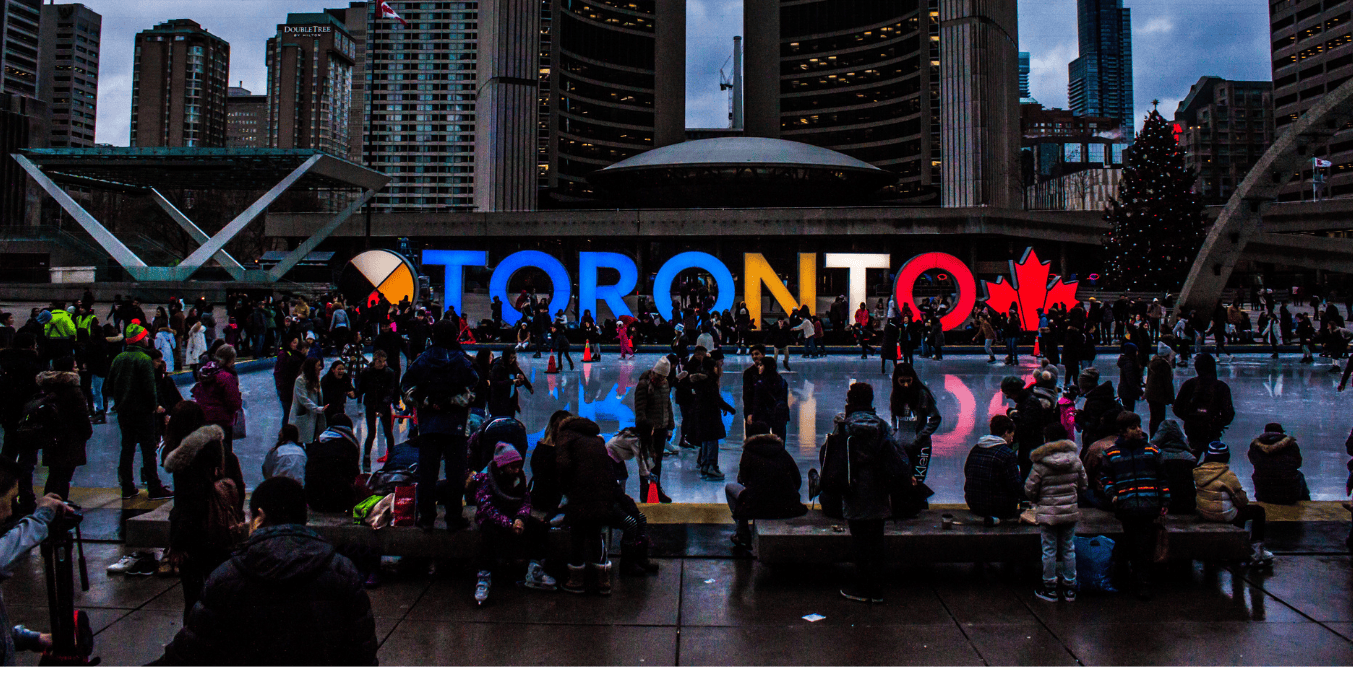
(1221, 498)
(505, 379)
(166, 344)
(770, 399)
(336, 389)
(1129, 377)
(331, 466)
(1054, 482)
(1177, 462)
(702, 379)
(1136, 485)
(1098, 415)
(286, 598)
(20, 365)
(506, 526)
(867, 502)
(1159, 387)
(307, 409)
(62, 385)
(196, 351)
(546, 494)
(287, 458)
(587, 480)
(1277, 468)
(378, 390)
(443, 380)
(654, 422)
(285, 370)
(195, 456)
(767, 486)
(1204, 404)
(915, 416)
(992, 486)
(131, 386)
(218, 392)
(1035, 407)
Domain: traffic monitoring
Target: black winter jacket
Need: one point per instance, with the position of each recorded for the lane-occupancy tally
(586, 476)
(771, 478)
(1277, 470)
(286, 599)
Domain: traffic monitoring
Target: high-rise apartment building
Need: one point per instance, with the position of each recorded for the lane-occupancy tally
(68, 69)
(1224, 126)
(1025, 68)
(354, 19)
(420, 80)
(246, 119)
(19, 46)
(1100, 83)
(179, 86)
(1312, 55)
(310, 71)
(618, 83)
(979, 103)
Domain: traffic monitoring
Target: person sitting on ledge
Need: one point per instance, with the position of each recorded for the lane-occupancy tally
(992, 487)
(768, 483)
(505, 522)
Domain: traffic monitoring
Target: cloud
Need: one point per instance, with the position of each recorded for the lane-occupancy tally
(1160, 24)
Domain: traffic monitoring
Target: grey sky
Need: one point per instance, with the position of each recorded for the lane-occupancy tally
(1175, 43)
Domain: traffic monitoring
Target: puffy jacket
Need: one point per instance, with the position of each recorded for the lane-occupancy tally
(1219, 492)
(1054, 482)
(193, 491)
(1277, 476)
(218, 393)
(286, 599)
(991, 485)
(653, 402)
(586, 476)
(1133, 478)
(1178, 463)
(709, 407)
(442, 366)
(331, 465)
(60, 326)
(771, 478)
(75, 429)
(1095, 416)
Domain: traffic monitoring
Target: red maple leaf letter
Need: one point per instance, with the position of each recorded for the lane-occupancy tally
(1032, 290)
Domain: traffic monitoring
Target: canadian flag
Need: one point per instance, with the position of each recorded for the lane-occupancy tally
(1323, 164)
(387, 13)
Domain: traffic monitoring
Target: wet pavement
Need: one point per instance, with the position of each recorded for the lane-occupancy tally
(1300, 396)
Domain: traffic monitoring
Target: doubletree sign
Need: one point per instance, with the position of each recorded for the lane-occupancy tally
(1029, 289)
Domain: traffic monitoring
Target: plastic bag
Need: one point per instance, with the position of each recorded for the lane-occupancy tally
(1094, 564)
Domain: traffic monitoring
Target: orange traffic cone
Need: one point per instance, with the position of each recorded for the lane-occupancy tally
(552, 367)
(899, 351)
(587, 350)
(1037, 352)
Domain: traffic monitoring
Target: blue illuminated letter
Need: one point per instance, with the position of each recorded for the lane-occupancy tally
(662, 284)
(614, 296)
(453, 282)
(563, 284)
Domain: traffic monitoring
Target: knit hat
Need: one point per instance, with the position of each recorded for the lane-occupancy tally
(1217, 452)
(1274, 427)
(1011, 385)
(135, 332)
(1088, 379)
(504, 454)
(44, 316)
(1164, 350)
(1046, 378)
(663, 367)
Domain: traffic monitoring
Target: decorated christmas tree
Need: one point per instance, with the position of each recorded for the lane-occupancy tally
(1157, 219)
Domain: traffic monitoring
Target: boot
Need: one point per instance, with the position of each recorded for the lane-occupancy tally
(603, 572)
(643, 489)
(537, 579)
(1260, 556)
(576, 583)
(663, 498)
(629, 561)
(481, 588)
(642, 560)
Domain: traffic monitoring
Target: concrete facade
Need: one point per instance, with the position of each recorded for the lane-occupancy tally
(1225, 127)
(68, 73)
(1312, 45)
(979, 103)
(246, 119)
(179, 87)
(20, 22)
(310, 71)
(507, 106)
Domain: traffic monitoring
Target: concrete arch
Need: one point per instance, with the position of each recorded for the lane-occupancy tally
(1240, 220)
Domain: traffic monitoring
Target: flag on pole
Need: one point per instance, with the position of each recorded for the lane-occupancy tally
(1322, 164)
(387, 13)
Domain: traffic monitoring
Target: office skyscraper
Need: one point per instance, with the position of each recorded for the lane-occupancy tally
(68, 71)
(310, 74)
(1312, 56)
(1100, 83)
(19, 46)
(246, 119)
(179, 86)
(1024, 68)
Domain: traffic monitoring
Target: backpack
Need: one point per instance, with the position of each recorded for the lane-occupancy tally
(494, 430)
(40, 423)
(226, 528)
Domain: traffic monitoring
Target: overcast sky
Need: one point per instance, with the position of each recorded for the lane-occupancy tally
(1174, 43)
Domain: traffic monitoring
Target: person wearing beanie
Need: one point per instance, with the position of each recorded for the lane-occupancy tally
(131, 387)
(1277, 468)
(1204, 405)
(443, 380)
(506, 527)
(654, 421)
(1035, 407)
(217, 391)
(867, 503)
(1159, 391)
(1222, 499)
(1139, 494)
(1177, 462)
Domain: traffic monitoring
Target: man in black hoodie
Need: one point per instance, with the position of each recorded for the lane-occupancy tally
(1204, 404)
(285, 599)
(442, 380)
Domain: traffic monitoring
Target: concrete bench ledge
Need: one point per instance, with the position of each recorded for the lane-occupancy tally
(815, 539)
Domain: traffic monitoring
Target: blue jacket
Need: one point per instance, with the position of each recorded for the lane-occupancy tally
(1135, 478)
(445, 369)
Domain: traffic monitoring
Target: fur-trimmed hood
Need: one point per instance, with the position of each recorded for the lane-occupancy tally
(1050, 454)
(181, 457)
(50, 381)
(1269, 442)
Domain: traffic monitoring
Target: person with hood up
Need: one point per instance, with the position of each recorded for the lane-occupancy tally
(1204, 405)
(770, 399)
(196, 351)
(587, 479)
(1222, 499)
(1177, 462)
(331, 466)
(875, 462)
(506, 526)
(1159, 391)
(767, 486)
(286, 598)
(992, 486)
(1137, 489)
(62, 386)
(443, 380)
(1098, 415)
(1277, 468)
(1054, 482)
(654, 421)
(1129, 377)
(915, 417)
(218, 392)
(1035, 407)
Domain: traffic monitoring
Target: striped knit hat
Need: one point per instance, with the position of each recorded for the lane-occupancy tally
(135, 332)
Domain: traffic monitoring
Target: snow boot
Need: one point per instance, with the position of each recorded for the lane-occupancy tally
(576, 583)
(603, 573)
(481, 588)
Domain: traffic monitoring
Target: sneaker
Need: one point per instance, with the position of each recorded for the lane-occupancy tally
(160, 493)
(130, 492)
(136, 563)
(481, 588)
(1048, 592)
(856, 594)
(537, 579)
(1068, 593)
(715, 474)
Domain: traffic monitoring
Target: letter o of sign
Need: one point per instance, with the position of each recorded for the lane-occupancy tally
(962, 276)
